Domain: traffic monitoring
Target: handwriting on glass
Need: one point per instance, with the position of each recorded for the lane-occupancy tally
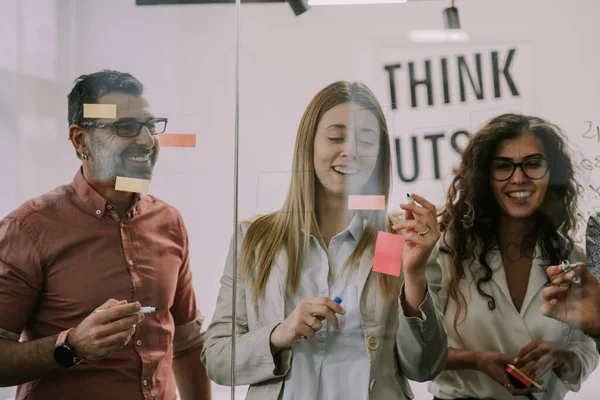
(591, 133)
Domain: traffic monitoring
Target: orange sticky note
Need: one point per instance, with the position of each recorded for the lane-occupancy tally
(134, 185)
(366, 202)
(100, 111)
(388, 253)
(177, 140)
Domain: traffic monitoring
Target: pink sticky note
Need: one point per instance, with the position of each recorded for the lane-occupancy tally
(366, 202)
(388, 253)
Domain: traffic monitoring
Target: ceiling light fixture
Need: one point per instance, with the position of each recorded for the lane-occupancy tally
(351, 2)
(298, 6)
(438, 36)
(451, 17)
(451, 34)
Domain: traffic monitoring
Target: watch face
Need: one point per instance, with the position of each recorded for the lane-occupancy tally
(64, 355)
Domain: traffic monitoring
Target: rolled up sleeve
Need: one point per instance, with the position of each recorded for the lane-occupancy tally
(21, 277)
(188, 336)
(422, 342)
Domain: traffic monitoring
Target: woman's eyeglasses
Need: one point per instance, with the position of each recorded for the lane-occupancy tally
(130, 127)
(533, 168)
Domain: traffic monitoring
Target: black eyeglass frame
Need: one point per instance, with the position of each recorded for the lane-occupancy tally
(140, 124)
(520, 165)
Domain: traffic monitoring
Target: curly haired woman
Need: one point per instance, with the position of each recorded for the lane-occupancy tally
(509, 214)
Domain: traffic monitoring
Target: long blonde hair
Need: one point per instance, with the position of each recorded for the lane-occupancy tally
(290, 228)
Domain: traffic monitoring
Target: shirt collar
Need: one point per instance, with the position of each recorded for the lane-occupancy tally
(356, 227)
(94, 202)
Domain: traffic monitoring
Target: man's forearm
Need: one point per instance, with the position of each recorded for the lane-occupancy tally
(26, 361)
(191, 377)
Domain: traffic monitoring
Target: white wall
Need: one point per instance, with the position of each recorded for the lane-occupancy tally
(185, 57)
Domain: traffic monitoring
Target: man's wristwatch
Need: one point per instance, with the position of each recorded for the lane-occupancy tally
(64, 354)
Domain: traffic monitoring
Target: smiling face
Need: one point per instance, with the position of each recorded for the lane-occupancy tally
(112, 155)
(520, 195)
(346, 148)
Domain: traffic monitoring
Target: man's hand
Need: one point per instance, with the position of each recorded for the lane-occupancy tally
(492, 364)
(101, 334)
(545, 355)
(577, 304)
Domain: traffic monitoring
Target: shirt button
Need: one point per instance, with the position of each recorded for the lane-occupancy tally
(98, 212)
(139, 342)
(323, 291)
(130, 262)
(372, 342)
(109, 207)
(145, 382)
(321, 338)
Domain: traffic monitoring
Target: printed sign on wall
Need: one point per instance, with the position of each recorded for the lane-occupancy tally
(435, 98)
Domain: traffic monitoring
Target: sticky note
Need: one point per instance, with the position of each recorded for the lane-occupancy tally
(366, 202)
(177, 140)
(100, 111)
(520, 375)
(388, 253)
(134, 185)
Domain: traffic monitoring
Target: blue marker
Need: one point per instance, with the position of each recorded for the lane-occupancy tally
(337, 300)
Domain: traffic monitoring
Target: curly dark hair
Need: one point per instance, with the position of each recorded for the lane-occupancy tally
(470, 217)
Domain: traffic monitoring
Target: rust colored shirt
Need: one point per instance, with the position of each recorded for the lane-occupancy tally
(67, 252)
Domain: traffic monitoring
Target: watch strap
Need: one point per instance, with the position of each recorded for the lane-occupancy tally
(62, 338)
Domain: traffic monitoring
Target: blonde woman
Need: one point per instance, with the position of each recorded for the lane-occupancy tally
(293, 341)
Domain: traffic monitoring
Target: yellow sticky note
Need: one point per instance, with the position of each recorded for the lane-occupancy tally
(100, 111)
(134, 185)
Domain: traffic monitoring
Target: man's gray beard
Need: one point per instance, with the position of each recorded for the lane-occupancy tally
(106, 172)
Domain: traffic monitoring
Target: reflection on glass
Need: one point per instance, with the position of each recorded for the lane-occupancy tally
(293, 341)
(510, 214)
(79, 263)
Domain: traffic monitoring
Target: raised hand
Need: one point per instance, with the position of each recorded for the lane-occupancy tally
(577, 304)
(422, 232)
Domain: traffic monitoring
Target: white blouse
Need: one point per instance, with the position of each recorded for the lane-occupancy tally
(505, 329)
(334, 364)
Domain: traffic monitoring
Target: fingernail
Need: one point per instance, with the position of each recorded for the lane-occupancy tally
(516, 360)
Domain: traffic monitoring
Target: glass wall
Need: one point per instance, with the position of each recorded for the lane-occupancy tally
(342, 289)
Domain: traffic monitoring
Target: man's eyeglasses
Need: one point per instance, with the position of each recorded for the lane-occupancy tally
(533, 168)
(130, 127)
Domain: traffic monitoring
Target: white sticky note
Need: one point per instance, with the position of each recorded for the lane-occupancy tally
(100, 111)
(125, 184)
